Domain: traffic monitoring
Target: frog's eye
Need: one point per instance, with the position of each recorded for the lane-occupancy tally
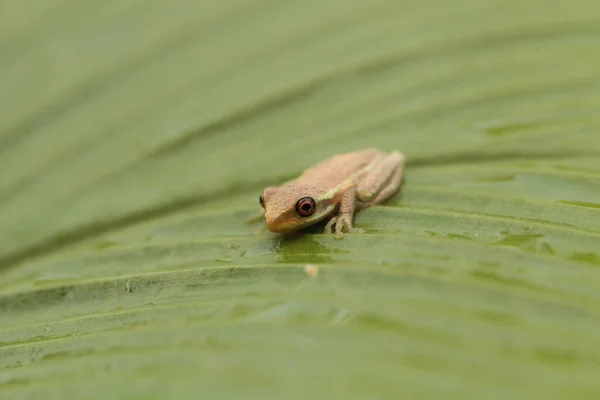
(306, 206)
(261, 200)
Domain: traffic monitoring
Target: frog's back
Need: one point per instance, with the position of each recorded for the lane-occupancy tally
(338, 168)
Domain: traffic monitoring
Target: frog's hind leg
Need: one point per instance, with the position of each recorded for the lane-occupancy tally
(382, 181)
(350, 204)
(386, 192)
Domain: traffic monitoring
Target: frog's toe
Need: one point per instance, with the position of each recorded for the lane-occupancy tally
(338, 224)
(329, 226)
(335, 226)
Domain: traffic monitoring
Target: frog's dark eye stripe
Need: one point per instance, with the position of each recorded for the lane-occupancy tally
(306, 206)
(261, 200)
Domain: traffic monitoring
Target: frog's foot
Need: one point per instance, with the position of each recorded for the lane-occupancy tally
(341, 222)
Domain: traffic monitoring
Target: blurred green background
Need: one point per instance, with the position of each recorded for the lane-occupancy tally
(136, 136)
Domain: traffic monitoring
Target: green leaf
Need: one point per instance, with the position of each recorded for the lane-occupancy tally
(136, 137)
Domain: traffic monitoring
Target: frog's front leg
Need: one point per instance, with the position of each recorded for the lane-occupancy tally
(346, 214)
(255, 218)
(382, 180)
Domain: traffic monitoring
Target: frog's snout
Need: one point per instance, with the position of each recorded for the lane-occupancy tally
(280, 223)
(275, 225)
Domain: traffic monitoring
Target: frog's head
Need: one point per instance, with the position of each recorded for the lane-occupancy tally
(289, 208)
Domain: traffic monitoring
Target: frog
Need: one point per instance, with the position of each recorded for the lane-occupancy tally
(335, 188)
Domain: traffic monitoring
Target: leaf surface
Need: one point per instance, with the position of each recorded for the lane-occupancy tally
(136, 137)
